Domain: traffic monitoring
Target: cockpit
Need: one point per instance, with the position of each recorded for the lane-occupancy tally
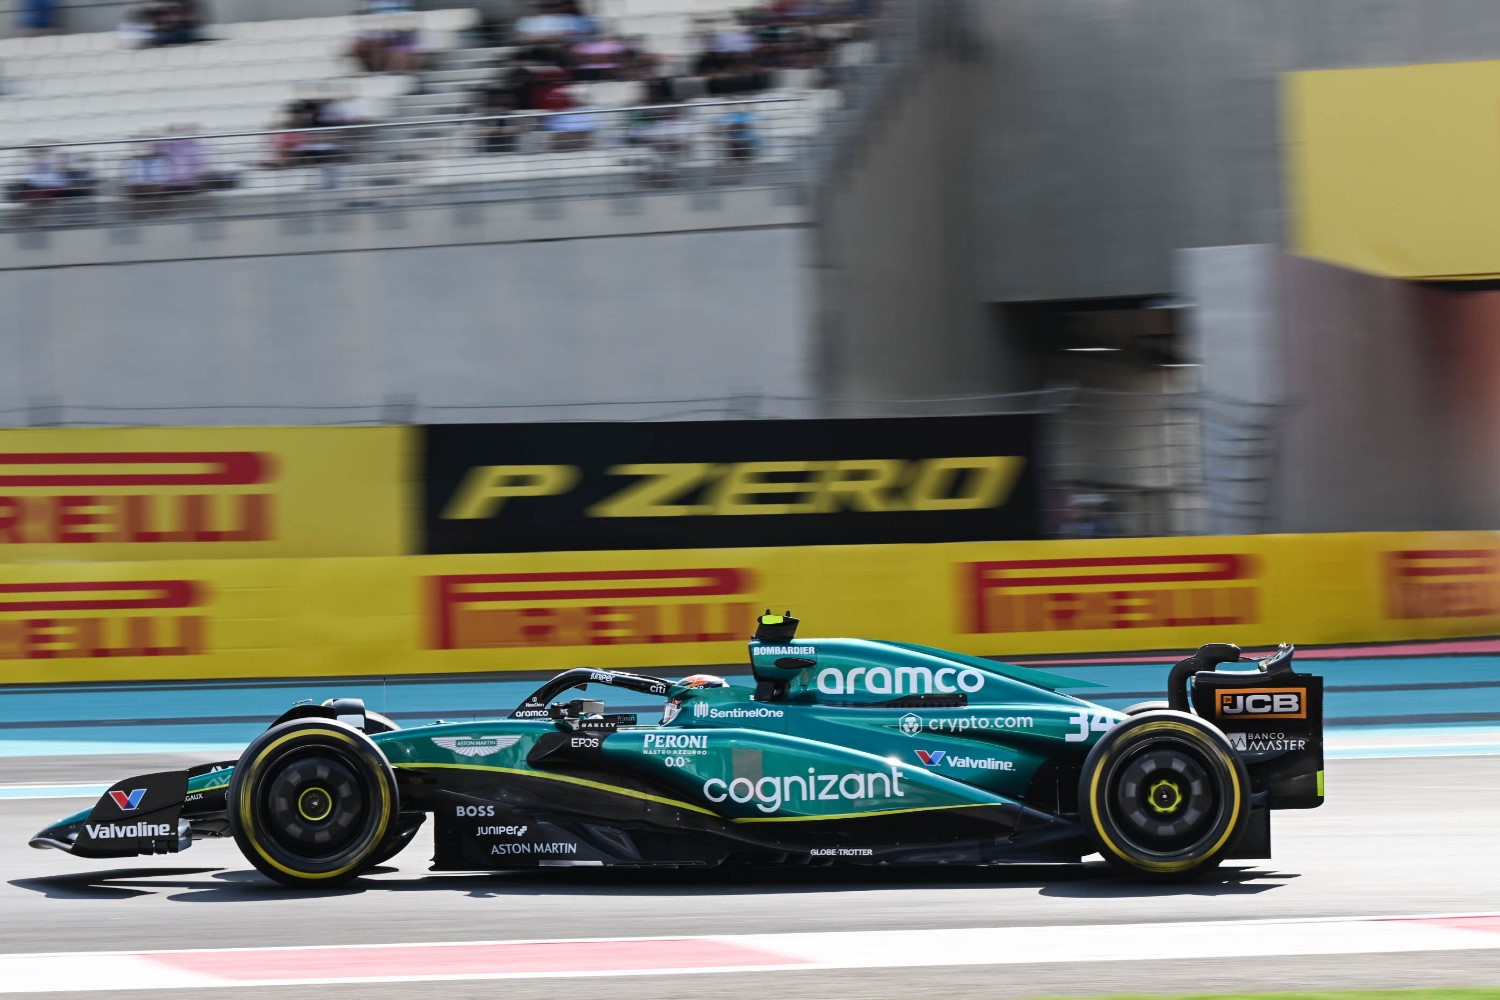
(589, 713)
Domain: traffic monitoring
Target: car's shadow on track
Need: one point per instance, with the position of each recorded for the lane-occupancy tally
(214, 885)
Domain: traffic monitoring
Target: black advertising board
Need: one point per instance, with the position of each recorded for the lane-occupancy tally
(723, 484)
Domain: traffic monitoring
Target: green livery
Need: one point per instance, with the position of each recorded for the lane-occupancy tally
(845, 751)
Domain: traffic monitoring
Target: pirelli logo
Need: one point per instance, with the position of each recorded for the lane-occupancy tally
(78, 498)
(1442, 583)
(1122, 592)
(590, 608)
(102, 618)
(1261, 703)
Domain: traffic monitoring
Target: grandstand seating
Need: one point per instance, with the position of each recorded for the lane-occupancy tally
(90, 86)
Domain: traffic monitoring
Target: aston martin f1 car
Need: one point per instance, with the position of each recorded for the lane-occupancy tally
(845, 751)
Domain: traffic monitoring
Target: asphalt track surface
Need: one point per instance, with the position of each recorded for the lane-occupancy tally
(1397, 836)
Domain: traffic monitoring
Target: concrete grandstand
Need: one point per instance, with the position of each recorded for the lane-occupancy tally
(67, 96)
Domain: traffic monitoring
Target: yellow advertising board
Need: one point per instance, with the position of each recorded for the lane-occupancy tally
(214, 493)
(1392, 170)
(668, 609)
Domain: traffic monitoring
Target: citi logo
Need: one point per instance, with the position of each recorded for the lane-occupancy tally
(1262, 703)
(128, 801)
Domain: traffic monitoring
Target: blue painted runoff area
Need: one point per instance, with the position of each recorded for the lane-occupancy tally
(1370, 696)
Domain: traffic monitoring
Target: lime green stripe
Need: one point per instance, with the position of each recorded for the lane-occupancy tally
(688, 805)
(572, 781)
(860, 815)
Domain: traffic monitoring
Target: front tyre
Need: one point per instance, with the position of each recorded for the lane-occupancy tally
(1163, 796)
(311, 802)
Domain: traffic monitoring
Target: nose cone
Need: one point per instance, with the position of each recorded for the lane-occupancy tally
(61, 837)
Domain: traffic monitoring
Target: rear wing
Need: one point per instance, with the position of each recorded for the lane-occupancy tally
(1271, 714)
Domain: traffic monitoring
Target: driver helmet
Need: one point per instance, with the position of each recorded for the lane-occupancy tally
(674, 705)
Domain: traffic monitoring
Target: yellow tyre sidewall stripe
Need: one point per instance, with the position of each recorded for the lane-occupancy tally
(247, 821)
(1146, 863)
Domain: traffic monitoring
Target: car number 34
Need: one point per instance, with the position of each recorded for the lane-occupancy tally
(1083, 725)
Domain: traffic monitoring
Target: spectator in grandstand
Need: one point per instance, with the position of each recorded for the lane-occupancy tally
(572, 130)
(500, 134)
(51, 175)
(163, 22)
(135, 27)
(599, 59)
(146, 179)
(36, 17)
(559, 22)
(739, 143)
(307, 138)
(663, 140)
(187, 168)
(387, 48)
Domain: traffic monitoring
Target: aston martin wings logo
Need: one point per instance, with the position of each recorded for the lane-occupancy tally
(475, 746)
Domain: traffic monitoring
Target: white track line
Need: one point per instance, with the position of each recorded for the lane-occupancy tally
(747, 953)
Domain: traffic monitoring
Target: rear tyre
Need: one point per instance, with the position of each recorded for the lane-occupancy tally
(311, 803)
(1142, 707)
(1163, 796)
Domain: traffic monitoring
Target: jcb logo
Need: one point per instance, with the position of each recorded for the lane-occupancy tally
(1262, 703)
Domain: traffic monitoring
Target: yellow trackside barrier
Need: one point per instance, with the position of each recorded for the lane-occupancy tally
(211, 493)
(547, 611)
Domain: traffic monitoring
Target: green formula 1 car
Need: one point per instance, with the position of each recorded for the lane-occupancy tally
(846, 751)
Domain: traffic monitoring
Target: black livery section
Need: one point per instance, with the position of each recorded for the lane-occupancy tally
(136, 816)
(1272, 717)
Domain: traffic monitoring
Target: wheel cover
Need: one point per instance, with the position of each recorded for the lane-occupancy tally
(1162, 798)
(314, 807)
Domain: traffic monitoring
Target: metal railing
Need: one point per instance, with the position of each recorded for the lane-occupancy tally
(458, 160)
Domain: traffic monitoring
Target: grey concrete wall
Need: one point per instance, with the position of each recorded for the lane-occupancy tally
(508, 310)
(1110, 134)
(900, 311)
(1232, 333)
(1367, 441)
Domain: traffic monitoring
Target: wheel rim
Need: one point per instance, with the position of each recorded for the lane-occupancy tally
(314, 808)
(1163, 798)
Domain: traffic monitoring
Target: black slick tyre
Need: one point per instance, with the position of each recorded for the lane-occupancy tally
(1163, 796)
(1142, 707)
(312, 802)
